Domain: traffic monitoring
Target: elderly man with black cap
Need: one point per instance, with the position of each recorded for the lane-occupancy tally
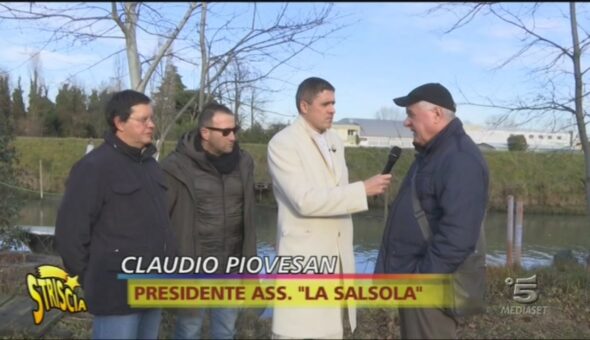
(435, 222)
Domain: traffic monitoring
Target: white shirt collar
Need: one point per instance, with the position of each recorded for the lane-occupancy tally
(321, 139)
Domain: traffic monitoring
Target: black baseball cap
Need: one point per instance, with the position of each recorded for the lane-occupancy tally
(433, 93)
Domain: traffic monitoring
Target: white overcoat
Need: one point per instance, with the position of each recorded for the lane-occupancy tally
(315, 204)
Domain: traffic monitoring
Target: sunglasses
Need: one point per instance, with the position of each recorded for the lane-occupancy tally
(225, 132)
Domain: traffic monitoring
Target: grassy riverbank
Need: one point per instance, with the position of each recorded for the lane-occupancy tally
(564, 296)
(547, 182)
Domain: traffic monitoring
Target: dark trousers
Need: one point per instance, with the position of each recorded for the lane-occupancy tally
(425, 323)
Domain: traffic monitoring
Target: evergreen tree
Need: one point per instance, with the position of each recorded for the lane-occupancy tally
(41, 117)
(70, 107)
(169, 99)
(18, 103)
(5, 103)
(9, 199)
(18, 110)
(34, 96)
(96, 105)
(52, 125)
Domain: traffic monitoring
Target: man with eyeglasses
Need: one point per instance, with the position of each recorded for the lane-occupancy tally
(115, 206)
(211, 206)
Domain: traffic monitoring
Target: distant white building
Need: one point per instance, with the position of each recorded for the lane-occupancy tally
(536, 140)
(387, 133)
(373, 132)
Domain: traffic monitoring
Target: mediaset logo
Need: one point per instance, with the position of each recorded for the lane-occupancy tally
(53, 288)
(525, 294)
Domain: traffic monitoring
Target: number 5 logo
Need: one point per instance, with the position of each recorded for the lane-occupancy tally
(525, 289)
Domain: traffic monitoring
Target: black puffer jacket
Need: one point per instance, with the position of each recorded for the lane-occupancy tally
(114, 206)
(212, 214)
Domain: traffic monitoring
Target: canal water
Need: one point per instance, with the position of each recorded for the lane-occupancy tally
(543, 236)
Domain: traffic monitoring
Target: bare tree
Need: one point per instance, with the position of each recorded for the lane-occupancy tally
(85, 23)
(128, 22)
(269, 44)
(256, 104)
(265, 43)
(274, 43)
(165, 96)
(242, 88)
(118, 80)
(561, 87)
(388, 113)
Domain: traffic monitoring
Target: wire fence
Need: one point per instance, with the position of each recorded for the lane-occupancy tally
(23, 189)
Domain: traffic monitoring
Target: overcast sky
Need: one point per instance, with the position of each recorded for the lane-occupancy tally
(386, 50)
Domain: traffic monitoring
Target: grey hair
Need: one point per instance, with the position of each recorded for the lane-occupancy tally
(448, 113)
(429, 106)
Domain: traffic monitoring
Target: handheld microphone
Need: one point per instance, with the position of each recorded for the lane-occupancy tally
(393, 157)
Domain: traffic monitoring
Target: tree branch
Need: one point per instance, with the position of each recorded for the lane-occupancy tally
(166, 46)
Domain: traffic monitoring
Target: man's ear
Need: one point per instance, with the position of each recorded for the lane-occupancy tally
(204, 132)
(439, 115)
(304, 105)
(119, 124)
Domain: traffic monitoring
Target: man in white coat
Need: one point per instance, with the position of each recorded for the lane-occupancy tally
(315, 200)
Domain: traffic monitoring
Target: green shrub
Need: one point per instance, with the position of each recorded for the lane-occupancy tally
(517, 143)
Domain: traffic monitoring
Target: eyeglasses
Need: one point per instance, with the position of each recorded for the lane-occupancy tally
(144, 120)
(225, 132)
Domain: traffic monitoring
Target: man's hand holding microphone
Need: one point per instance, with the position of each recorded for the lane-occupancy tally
(377, 184)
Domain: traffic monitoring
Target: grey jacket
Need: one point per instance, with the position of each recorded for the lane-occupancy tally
(202, 203)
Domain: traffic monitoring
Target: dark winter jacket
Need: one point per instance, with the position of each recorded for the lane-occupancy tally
(114, 206)
(211, 213)
(452, 188)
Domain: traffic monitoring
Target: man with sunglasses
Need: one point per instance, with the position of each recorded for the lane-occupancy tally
(211, 206)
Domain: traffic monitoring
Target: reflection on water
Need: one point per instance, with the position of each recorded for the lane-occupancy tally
(544, 235)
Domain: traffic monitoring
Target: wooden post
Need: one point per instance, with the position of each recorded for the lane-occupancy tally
(41, 214)
(509, 230)
(40, 178)
(518, 231)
